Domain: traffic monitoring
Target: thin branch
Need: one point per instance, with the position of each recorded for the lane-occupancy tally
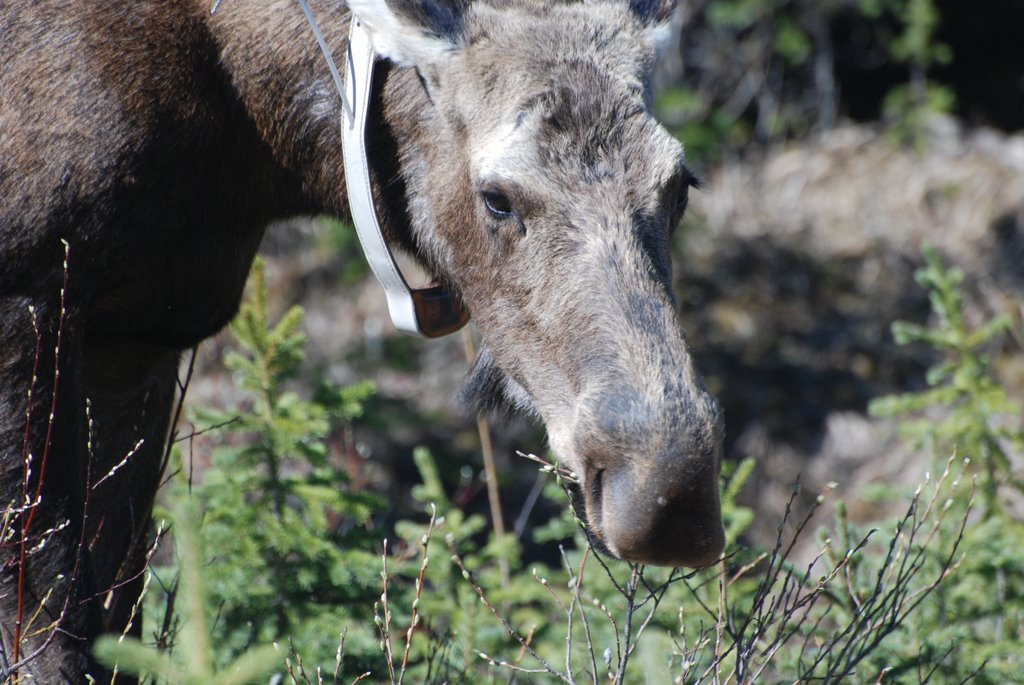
(504, 622)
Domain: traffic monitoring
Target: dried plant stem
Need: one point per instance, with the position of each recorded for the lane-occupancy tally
(31, 511)
(490, 470)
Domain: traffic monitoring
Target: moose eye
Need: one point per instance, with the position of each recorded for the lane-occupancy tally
(498, 204)
(682, 201)
(686, 181)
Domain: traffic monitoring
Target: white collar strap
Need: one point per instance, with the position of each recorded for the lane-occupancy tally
(431, 311)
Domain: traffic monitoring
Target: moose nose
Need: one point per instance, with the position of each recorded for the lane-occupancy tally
(662, 522)
(651, 480)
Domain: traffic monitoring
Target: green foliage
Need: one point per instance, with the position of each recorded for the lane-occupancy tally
(977, 415)
(735, 517)
(706, 131)
(918, 19)
(457, 625)
(287, 540)
(735, 14)
(908, 107)
(339, 238)
(760, 71)
(711, 128)
(193, 662)
(791, 42)
(976, 623)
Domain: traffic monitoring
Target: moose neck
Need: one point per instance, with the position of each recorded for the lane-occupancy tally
(283, 84)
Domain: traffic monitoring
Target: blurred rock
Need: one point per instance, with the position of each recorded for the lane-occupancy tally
(794, 267)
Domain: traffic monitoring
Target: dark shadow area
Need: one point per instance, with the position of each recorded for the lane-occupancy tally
(784, 339)
(986, 72)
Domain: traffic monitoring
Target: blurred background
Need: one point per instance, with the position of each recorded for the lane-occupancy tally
(833, 138)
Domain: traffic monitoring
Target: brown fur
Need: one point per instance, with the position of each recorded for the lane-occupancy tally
(159, 142)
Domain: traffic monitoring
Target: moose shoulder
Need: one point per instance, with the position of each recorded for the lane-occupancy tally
(514, 152)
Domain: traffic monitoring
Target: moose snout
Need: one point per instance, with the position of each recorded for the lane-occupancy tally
(650, 489)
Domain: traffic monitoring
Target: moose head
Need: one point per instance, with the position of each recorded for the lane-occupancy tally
(542, 189)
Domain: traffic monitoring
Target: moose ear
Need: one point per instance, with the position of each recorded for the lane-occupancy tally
(652, 12)
(412, 32)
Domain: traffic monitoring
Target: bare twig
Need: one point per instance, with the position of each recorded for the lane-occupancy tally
(549, 467)
(415, 617)
(504, 622)
(384, 622)
(54, 390)
(178, 408)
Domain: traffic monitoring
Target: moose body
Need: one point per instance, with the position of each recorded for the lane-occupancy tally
(144, 148)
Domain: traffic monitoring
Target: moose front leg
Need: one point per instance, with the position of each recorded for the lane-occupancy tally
(81, 451)
(44, 624)
(131, 388)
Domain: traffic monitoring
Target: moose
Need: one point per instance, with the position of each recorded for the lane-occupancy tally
(146, 145)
